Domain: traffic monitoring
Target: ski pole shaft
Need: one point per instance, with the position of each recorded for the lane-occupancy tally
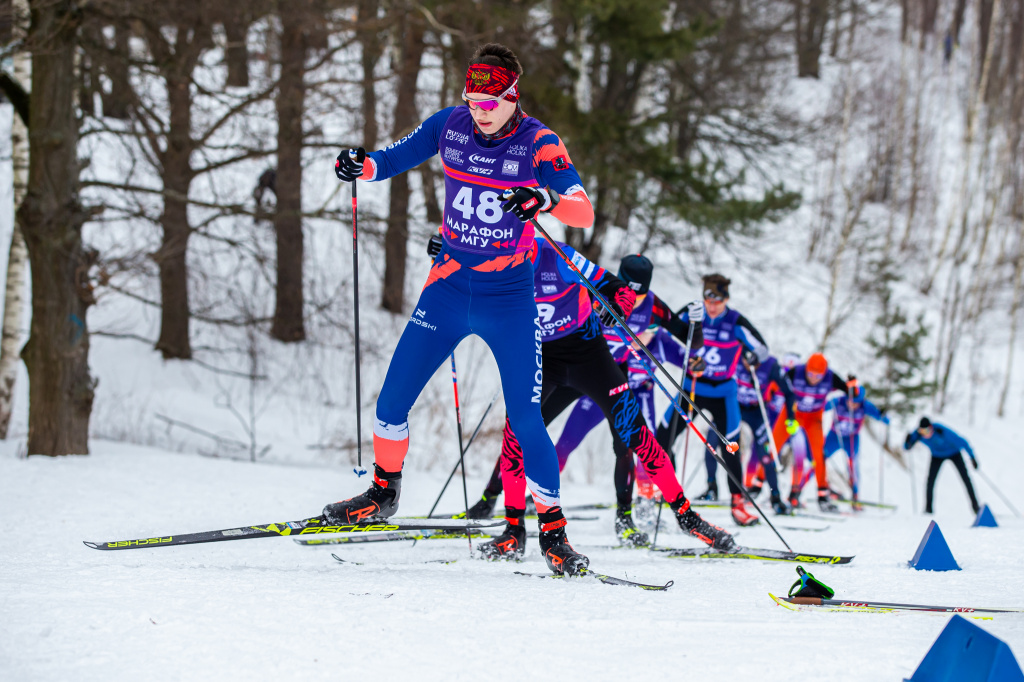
(455, 468)
(355, 297)
(675, 416)
(992, 485)
(881, 466)
(764, 415)
(462, 452)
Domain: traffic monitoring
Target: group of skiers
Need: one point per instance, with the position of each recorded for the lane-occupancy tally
(553, 319)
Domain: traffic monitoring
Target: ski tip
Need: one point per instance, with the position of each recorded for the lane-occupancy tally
(92, 545)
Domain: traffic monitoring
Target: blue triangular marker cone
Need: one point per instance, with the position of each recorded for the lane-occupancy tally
(985, 519)
(933, 553)
(965, 652)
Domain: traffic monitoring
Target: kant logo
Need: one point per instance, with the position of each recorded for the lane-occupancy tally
(476, 158)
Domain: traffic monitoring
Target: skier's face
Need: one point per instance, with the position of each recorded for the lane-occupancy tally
(814, 378)
(926, 433)
(490, 121)
(715, 307)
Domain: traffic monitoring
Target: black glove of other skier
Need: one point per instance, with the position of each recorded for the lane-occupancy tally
(349, 165)
(434, 245)
(974, 463)
(906, 442)
(750, 358)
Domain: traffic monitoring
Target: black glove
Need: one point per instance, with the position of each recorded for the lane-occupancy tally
(434, 245)
(974, 463)
(527, 202)
(906, 442)
(606, 317)
(697, 364)
(349, 165)
(750, 358)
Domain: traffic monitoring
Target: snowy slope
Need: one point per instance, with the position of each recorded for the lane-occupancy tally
(270, 609)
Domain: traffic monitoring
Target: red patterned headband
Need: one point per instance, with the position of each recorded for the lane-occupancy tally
(496, 81)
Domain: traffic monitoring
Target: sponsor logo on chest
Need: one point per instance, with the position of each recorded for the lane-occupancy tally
(453, 155)
(456, 137)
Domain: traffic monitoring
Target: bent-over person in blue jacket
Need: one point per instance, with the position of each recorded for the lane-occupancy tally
(945, 443)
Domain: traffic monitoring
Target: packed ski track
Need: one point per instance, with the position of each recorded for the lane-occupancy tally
(272, 609)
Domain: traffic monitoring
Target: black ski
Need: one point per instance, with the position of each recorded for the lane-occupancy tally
(606, 579)
(314, 525)
(390, 537)
(429, 561)
(752, 553)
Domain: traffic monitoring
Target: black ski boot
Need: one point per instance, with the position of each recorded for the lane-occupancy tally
(794, 500)
(511, 544)
(561, 557)
(691, 522)
(711, 494)
(780, 507)
(380, 501)
(629, 535)
(825, 504)
(484, 508)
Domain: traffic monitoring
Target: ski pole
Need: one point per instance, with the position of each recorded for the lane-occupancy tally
(462, 452)
(881, 467)
(913, 481)
(764, 415)
(472, 437)
(998, 492)
(729, 445)
(675, 415)
(850, 383)
(360, 156)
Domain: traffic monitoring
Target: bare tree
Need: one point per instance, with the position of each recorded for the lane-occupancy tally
(57, 353)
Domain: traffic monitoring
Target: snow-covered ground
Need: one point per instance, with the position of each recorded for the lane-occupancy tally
(270, 609)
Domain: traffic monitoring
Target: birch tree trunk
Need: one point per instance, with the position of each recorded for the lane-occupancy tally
(17, 258)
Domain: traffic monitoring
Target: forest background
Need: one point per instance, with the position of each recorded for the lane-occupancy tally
(180, 269)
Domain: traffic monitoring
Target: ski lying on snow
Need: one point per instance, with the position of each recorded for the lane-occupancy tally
(752, 553)
(606, 579)
(429, 561)
(818, 604)
(313, 525)
(391, 537)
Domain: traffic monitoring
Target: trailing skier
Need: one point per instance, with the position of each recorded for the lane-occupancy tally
(771, 381)
(812, 382)
(577, 362)
(727, 334)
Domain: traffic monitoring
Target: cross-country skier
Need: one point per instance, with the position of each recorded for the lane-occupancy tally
(577, 358)
(945, 444)
(501, 169)
(811, 382)
(771, 380)
(727, 334)
(848, 415)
